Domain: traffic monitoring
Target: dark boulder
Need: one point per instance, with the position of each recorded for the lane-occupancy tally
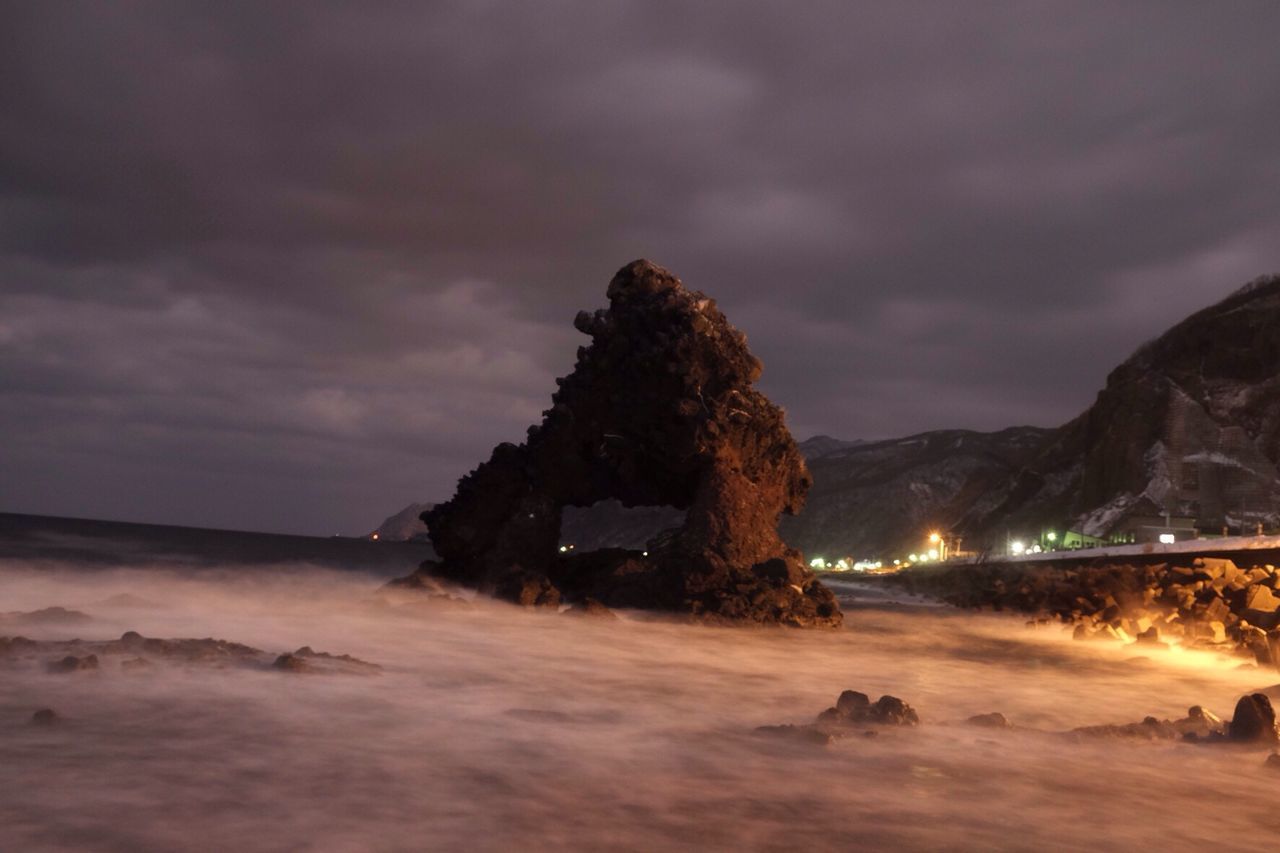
(1254, 720)
(660, 410)
(809, 735)
(45, 717)
(592, 609)
(530, 589)
(893, 711)
(308, 661)
(854, 708)
(47, 616)
(71, 663)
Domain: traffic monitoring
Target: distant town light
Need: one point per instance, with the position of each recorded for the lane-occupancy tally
(914, 558)
(1017, 546)
(817, 563)
(564, 549)
(1167, 538)
(933, 553)
(1053, 537)
(374, 537)
(934, 537)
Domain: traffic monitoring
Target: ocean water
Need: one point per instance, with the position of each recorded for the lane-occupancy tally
(495, 728)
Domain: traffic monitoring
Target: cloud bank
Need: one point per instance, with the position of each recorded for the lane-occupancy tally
(288, 268)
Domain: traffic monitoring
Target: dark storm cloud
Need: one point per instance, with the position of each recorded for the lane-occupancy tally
(288, 267)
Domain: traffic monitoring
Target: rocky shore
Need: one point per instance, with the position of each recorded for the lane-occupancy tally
(1207, 603)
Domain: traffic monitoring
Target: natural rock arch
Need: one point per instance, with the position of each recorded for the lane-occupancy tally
(659, 410)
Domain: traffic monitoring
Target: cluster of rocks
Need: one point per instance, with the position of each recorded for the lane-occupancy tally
(133, 652)
(854, 709)
(852, 713)
(1211, 603)
(1253, 722)
(1198, 723)
(660, 410)
(422, 594)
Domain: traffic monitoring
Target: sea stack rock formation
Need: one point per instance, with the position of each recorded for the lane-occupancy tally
(659, 411)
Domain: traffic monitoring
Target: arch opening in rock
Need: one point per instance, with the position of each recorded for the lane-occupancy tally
(658, 411)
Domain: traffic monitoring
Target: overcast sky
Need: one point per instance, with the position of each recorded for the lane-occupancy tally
(291, 266)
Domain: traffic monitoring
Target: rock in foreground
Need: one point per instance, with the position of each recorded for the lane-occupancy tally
(659, 411)
(1254, 720)
(853, 711)
(134, 653)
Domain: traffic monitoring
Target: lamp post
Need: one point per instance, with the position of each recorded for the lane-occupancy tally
(938, 542)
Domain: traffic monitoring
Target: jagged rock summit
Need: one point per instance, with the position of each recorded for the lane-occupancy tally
(659, 411)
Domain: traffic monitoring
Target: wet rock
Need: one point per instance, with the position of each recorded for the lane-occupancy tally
(1150, 637)
(202, 651)
(45, 717)
(71, 663)
(305, 660)
(854, 708)
(421, 581)
(1201, 724)
(1150, 728)
(1254, 720)
(1198, 724)
(893, 711)
(810, 735)
(1261, 606)
(291, 663)
(1272, 762)
(994, 720)
(16, 645)
(46, 616)
(660, 410)
(528, 589)
(1198, 712)
(592, 609)
(853, 704)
